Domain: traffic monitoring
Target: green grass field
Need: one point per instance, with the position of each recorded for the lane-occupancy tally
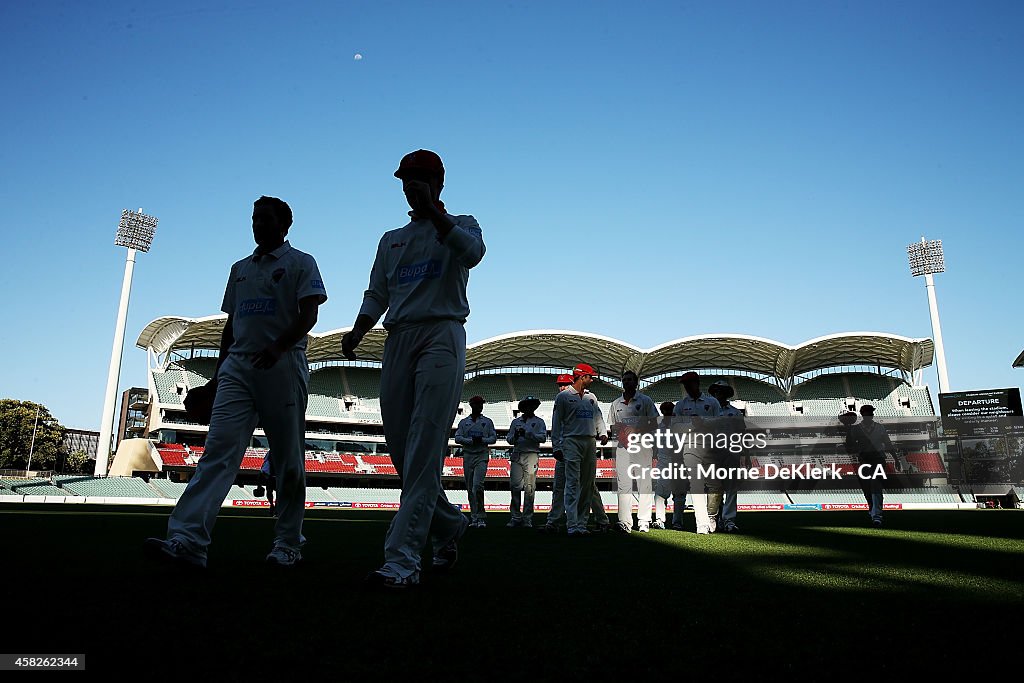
(797, 593)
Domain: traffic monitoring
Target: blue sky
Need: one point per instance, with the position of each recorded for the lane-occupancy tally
(642, 170)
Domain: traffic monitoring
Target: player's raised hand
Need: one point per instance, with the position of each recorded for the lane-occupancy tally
(420, 198)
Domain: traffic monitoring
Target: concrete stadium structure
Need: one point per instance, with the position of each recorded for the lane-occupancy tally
(806, 385)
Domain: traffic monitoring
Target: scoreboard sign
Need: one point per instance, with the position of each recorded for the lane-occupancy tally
(977, 414)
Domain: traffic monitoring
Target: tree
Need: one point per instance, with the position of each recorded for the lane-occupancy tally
(78, 462)
(17, 419)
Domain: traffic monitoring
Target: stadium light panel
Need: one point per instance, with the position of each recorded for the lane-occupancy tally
(926, 257)
(135, 230)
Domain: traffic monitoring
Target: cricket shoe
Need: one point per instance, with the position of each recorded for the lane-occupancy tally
(378, 579)
(174, 552)
(623, 528)
(603, 528)
(446, 557)
(281, 556)
(876, 523)
(644, 529)
(527, 524)
(515, 524)
(677, 527)
(550, 529)
(704, 530)
(576, 533)
(660, 526)
(731, 528)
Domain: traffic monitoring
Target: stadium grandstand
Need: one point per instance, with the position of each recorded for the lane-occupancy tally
(798, 388)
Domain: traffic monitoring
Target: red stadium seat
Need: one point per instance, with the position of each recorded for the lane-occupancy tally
(172, 456)
(927, 463)
(252, 462)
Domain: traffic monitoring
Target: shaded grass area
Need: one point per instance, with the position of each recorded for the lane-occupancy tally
(795, 593)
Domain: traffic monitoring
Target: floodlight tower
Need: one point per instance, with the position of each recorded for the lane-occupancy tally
(926, 259)
(135, 231)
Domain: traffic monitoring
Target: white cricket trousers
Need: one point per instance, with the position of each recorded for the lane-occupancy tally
(730, 498)
(556, 515)
(644, 486)
(662, 491)
(474, 471)
(698, 490)
(580, 454)
(523, 483)
(421, 381)
(276, 400)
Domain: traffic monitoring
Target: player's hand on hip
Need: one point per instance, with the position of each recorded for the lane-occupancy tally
(559, 456)
(349, 342)
(268, 357)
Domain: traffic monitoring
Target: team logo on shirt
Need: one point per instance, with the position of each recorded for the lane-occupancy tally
(317, 284)
(424, 270)
(257, 307)
(277, 275)
(584, 414)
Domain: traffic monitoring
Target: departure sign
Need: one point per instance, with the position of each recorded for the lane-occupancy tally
(987, 412)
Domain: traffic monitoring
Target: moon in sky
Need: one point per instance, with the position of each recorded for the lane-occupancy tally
(357, 57)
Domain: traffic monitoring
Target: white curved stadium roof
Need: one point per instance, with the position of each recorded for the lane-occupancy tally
(174, 333)
(556, 349)
(610, 357)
